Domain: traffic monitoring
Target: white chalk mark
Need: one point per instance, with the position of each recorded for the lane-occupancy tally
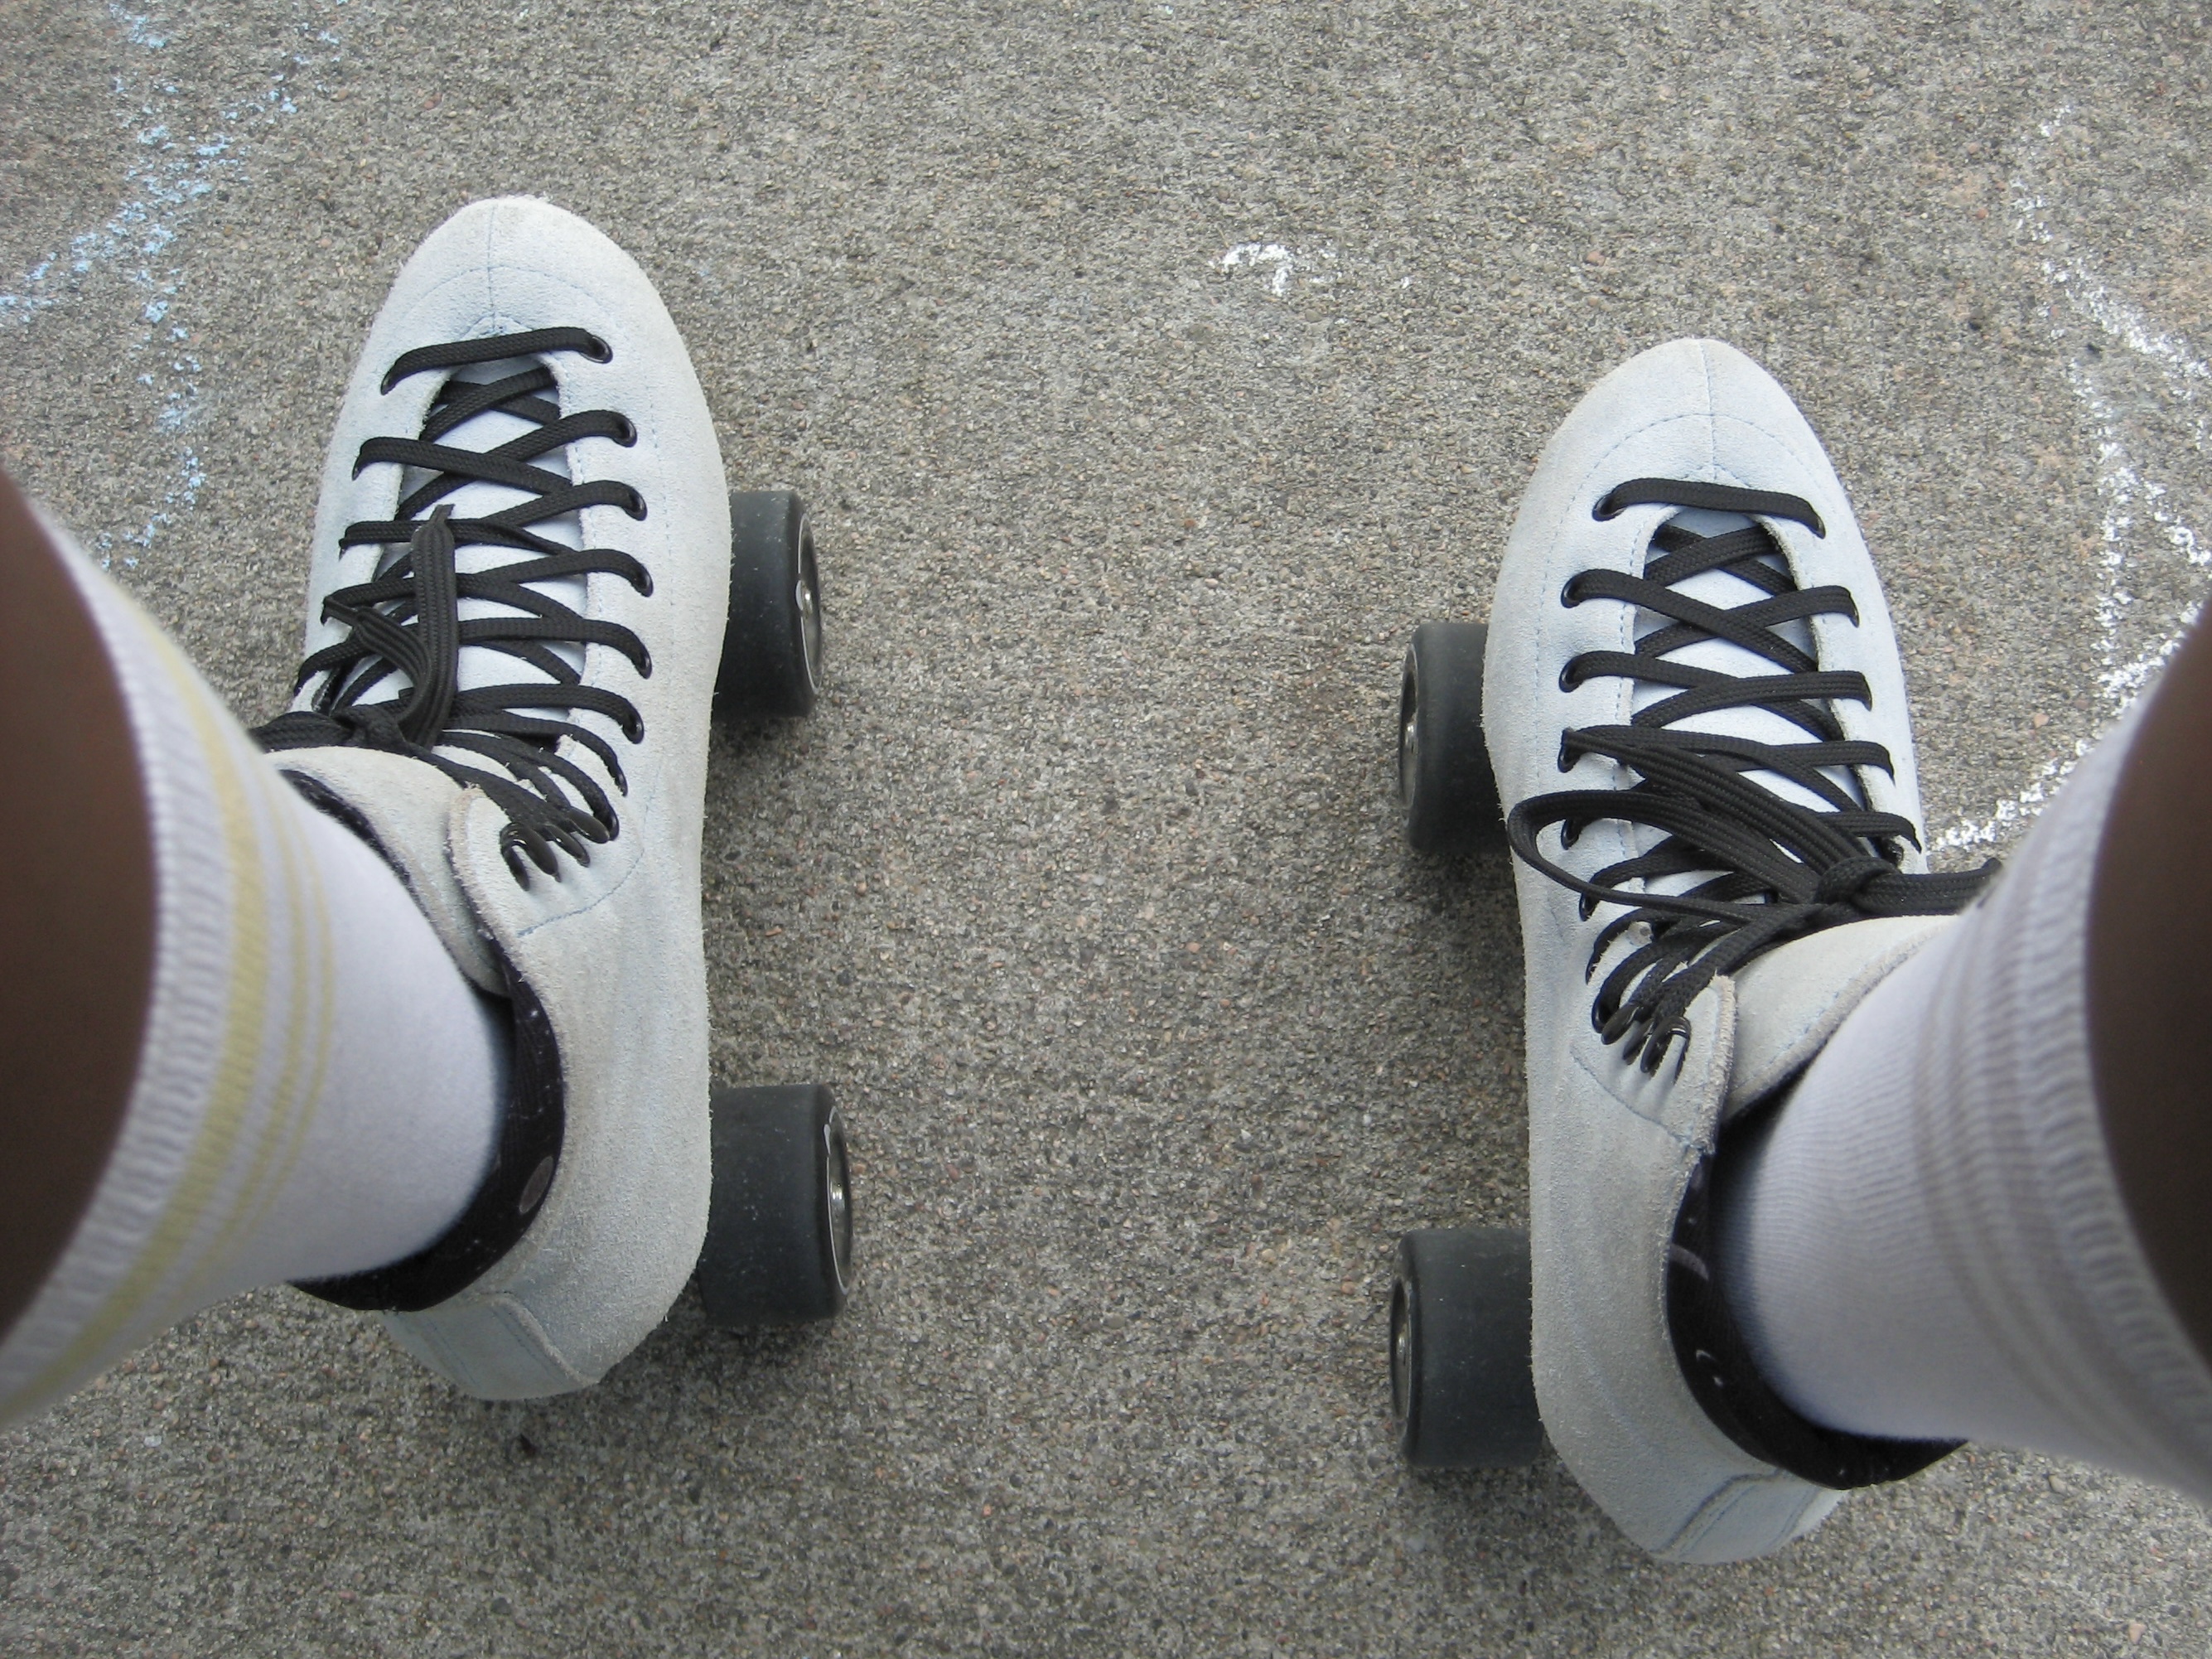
(2136, 515)
(164, 187)
(2013, 814)
(1278, 266)
(2126, 492)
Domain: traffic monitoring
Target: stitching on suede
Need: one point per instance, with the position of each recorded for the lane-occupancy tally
(1816, 465)
(1713, 441)
(601, 898)
(1582, 1060)
(491, 231)
(1717, 1507)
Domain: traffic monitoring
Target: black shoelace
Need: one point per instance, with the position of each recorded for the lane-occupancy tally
(1779, 870)
(406, 619)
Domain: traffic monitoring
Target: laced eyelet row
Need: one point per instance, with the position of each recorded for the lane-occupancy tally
(406, 620)
(1770, 868)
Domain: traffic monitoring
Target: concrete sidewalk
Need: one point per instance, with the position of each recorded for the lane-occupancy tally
(1152, 370)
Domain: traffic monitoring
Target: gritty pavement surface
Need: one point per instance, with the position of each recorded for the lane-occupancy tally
(1152, 370)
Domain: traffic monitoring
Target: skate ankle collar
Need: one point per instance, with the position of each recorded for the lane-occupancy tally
(1716, 1363)
(524, 1159)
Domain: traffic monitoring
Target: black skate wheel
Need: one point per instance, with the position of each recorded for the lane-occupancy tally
(1444, 765)
(779, 1247)
(771, 664)
(1460, 1377)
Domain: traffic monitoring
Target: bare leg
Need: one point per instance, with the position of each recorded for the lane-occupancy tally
(76, 906)
(2150, 985)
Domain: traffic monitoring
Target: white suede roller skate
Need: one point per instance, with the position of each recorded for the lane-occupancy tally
(1696, 724)
(522, 566)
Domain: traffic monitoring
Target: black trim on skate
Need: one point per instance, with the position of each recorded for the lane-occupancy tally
(1716, 1362)
(524, 1159)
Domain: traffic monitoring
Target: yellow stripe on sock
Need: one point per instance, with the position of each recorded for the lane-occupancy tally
(323, 1015)
(284, 1129)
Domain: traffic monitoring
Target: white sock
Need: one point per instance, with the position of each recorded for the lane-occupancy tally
(1928, 1241)
(318, 1087)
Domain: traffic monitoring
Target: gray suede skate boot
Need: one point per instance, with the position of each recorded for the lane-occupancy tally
(1697, 720)
(520, 570)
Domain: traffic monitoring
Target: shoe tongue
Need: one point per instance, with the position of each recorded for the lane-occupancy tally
(479, 500)
(1724, 590)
